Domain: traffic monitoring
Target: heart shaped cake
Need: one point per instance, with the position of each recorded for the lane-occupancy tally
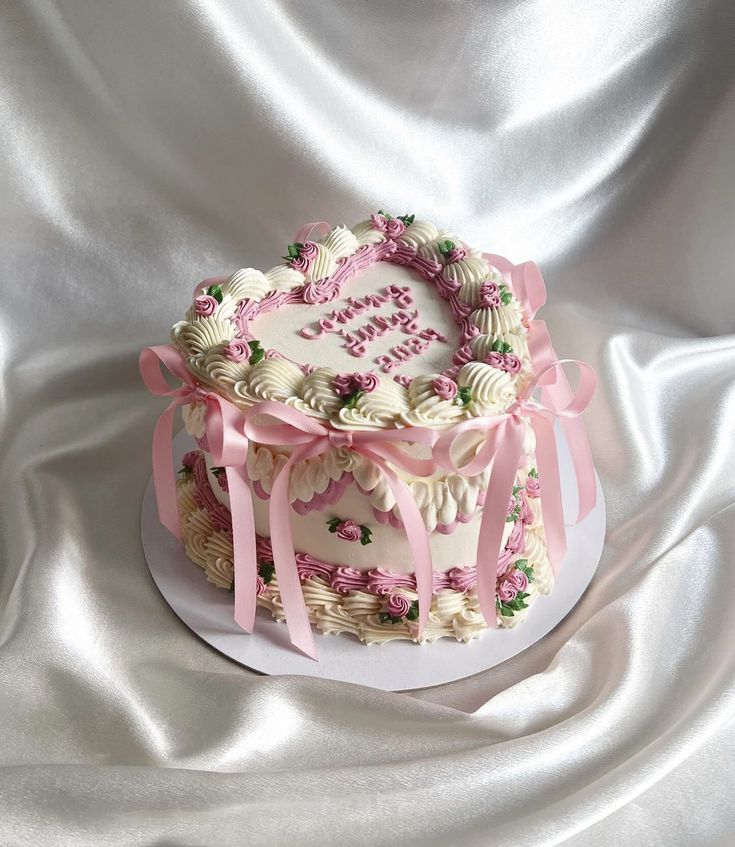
(367, 436)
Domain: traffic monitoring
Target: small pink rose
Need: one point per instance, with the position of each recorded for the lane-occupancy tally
(489, 295)
(506, 592)
(348, 531)
(517, 580)
(190, 458)
(511, 363)
(366, 382)
(497, 360)
(403, 379)
(490, 301)
(205, 305)
(397, 605)
(533, 489)
(222, 481)
(456, 254)
(309, 250)
(343, 384)
(301, 263)
(238, 350)
(379, 222)
(445, 388)
(394, 228)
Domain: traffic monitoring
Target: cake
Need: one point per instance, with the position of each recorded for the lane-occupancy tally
(369, 459)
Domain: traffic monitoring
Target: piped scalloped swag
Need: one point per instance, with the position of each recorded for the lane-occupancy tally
(489, 369)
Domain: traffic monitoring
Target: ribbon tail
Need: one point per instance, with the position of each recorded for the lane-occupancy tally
(284, 559)
(243, 544)
(418, 538)
(584, 468)
(164, 479)
(499, 490)
(557, 393)
(551, 500)
(307, 230)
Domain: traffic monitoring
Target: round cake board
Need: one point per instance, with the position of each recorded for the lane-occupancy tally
(393, 666)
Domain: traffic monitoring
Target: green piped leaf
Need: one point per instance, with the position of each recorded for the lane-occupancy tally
(407, 219)
(366, 535)
(333, 524)
(533, 473)
(413, 613)
(257, 356)
(267, 569)
(385, 617)
(350, 401)
(464, 396)
(445, 247)
(217, 471)
(385, 214)
(216, 292)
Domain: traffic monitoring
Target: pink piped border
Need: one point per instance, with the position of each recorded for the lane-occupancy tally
(329, 288)
(341, 577)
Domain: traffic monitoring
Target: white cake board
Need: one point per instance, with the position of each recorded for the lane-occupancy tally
(393, 666)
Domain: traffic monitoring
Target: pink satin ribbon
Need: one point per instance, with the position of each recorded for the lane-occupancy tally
(320, 228)
(309, 439)
(502, 449)
(228, 450)
(164, 478)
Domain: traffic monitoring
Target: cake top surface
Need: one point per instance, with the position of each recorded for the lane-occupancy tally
(392, 323)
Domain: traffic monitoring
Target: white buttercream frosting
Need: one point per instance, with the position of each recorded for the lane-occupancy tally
(491, 389)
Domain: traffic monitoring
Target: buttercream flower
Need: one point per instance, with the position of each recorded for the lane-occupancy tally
(222, 481)
(205, 305)
(533, 488)
(445, 388)
(309, 250)
(300, 263)
(511, 363)
(456, 254)
(403, 379)
(497, 360)
(343, 384)
(190, 459)
(489, 295)
(397, 605)
(237, 350)
(349, 531)
(366, 382)
(259, 585)
(506, 592)
(379, 222)
(517, 580)
(394, 228)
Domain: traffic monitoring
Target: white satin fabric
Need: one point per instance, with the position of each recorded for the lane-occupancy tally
(146, 146)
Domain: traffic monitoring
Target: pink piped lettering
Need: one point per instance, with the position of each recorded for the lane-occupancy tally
(401, 352)
(417, 345)
(386, 364)
(432, 335)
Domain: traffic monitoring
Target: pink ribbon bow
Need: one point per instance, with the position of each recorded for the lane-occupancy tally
(228, 450)
(164, 480)
(308, 439)
(502, 448)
